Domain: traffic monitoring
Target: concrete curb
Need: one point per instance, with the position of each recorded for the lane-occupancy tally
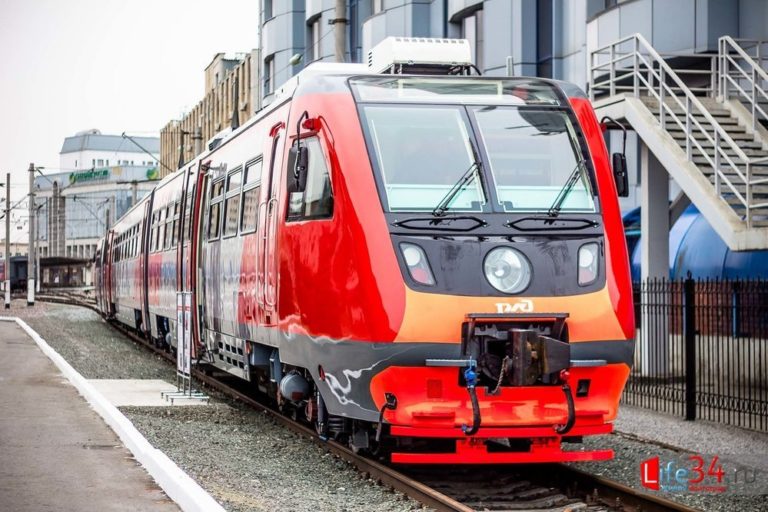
(179, 486)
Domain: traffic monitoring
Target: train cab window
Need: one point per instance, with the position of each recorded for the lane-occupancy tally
(249, 216)
(316, 201)
(232, 203)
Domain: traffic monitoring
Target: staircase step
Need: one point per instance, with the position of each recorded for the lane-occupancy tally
(726, 122)
(714, 108)
(760, 169)
(679, 134)
(753, 146)
(758, 191)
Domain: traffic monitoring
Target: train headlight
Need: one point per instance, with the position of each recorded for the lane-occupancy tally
(507, 270)
(588, 263)
(417, 264)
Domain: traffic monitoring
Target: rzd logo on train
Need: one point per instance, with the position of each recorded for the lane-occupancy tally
(523, 306)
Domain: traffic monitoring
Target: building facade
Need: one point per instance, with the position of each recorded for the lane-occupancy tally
(100, 174)
(545, 38)
(91, 149)
(73, 208)
(231, 98)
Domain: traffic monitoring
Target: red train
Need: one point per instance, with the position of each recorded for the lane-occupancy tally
(428, 266)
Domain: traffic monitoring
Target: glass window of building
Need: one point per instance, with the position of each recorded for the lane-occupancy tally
(269, 74)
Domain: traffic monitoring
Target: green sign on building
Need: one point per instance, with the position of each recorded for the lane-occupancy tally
(92, 175)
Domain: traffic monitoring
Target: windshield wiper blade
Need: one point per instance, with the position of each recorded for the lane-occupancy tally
(457, 187)
(557, 204)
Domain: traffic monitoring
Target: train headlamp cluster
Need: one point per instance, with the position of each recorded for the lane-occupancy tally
(588, 263)
(417, 264)
(507, 270)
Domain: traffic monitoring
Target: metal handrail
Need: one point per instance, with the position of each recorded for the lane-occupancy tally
(647, 70)
(748, 73)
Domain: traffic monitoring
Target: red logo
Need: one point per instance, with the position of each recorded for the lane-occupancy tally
(649, 473)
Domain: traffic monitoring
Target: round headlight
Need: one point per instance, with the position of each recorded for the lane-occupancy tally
(507, 270)
(412, 255)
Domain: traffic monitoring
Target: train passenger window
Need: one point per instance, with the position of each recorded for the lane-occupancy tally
(175, 240)
(214, 211)
(233, 182)
(249, 212)
(252, 171)
(168, 220)
(160, 230)
(188, 214)
(217, 188)
(250, 215)
(232, 203)
(213, 221)
(153, 234)
(316, 202)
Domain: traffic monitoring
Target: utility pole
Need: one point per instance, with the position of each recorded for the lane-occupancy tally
(340, 29)
(37, 246)
(8, 241)
(134, 192)
(31, 250)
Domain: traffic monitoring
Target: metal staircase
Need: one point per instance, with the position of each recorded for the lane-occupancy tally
(742, 76)
(701, 121)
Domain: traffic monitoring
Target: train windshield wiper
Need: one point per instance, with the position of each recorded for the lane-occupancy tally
(464, 180)
(557, 204)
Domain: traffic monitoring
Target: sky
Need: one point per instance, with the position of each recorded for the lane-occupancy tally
(114, 65)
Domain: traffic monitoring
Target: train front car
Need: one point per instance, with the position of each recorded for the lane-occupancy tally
(464, 296)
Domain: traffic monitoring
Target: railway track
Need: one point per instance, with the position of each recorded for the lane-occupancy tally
(541, 488)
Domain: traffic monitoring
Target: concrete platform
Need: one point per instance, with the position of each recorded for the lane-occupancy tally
(140, 393)
(56, 452)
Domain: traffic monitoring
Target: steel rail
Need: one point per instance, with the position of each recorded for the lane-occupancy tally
(608, 492)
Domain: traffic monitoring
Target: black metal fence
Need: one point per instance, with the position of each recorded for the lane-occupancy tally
(702, 350)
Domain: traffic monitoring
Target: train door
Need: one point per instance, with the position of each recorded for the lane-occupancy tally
(196, 276)
(144, 266)
(108, 280)
(268, 218)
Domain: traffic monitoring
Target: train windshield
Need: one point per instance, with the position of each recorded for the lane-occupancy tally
(531, 154)
(425, 134)
(422, 151)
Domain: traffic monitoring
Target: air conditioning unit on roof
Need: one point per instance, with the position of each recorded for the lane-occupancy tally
(420, 55)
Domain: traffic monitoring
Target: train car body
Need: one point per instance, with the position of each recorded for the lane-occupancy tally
(128, 267)
(428, 266)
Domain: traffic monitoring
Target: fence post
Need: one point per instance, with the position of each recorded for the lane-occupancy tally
(689, 334)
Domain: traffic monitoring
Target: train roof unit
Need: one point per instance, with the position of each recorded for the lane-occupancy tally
(420, 56)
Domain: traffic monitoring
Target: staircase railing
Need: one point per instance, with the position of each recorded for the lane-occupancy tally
(632, 64)
(742, 76)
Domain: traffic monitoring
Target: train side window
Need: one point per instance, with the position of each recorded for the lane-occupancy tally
(155, 230)
(249, 215)
(152, 233)
(214, 210)
(175, 239)
(188, 211)
(168, 225)
(316, 201)
(232, 203)
(161, 229)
